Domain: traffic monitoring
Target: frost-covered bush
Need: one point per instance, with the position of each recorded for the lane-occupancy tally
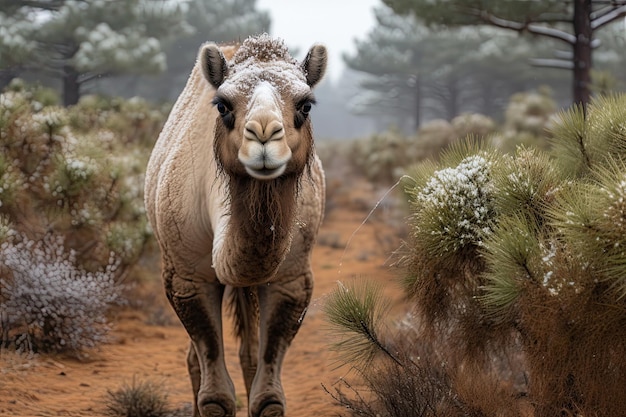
(128, 121)
(78, 174)
(433, 136)
(48, 303)
(78, 169)
(516, 269)
(384, 157)
(474, 124)
(453, 203)
(381, 156)
(460, 202)
(527, 119)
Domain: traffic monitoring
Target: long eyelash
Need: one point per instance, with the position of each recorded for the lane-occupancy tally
(223, 100)
(310, 98)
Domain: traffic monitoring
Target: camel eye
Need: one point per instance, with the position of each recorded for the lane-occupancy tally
(224, 108)
(306, 108)
(221, 107)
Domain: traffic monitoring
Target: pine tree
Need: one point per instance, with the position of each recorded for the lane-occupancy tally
(215, 21)
(574, 22)
(412, 72)
(79, 41)
(17, 47)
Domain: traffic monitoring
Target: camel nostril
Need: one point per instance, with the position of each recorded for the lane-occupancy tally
(263, 131)
(276, 132)
(253, 130)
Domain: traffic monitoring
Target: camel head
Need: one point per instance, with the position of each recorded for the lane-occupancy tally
(262, 103)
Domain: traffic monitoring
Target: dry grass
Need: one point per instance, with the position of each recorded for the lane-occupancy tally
(139, 399)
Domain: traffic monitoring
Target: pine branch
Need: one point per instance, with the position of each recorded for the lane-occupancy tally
(528, 27)
(552, 63)
(608, 17)
(354, 312)
(372, 337)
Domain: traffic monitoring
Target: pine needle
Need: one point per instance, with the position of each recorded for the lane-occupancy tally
(355, 313)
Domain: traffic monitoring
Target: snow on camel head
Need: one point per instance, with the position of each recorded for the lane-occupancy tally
(263, 98)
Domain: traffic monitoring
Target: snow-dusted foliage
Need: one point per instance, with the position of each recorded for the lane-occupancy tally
(71, 213)
(527, 117)
(517, 260)
(16, 42)
(48, 302)
(458, 204)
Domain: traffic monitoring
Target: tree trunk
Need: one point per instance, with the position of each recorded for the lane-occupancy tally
(6, 76)
(582, 51)
(417, 90)
(71, 86)
(452, 104)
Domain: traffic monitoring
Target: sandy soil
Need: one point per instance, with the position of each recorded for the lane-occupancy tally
(140, 350)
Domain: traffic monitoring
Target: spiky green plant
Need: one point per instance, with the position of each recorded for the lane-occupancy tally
(527, 183)
(355, 312)
(582, 142)
(606, 121)
(591, 219)
(453, 203)
(513, 259)
(524, 254)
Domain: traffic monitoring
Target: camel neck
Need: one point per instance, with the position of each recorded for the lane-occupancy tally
(259, 233)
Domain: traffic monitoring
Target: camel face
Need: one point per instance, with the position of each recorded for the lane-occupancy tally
(262, 104)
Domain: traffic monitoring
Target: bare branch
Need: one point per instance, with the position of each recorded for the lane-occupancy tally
(608, 17)
(528, 27)
(552, 33)
(552, 63)
(88, 77)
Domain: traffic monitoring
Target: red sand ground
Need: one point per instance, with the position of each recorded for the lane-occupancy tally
(57, 386)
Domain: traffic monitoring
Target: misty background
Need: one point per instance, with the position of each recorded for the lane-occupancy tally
(400, 73)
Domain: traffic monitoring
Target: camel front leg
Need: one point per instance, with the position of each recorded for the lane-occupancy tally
(282, 307)
(199, 308)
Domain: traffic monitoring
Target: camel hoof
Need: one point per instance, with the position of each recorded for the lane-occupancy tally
(272, 410)
(212, 409)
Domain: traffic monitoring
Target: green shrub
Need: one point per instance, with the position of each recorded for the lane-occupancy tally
(381, 156)
(528, 117)
(515, 265)
(78, 174)
(473, 124)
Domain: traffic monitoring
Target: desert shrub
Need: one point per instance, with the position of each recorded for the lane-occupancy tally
(528, 117)
(50, 304)
(383, 157)
(380, 156)
(398, 374)
(433, 136)
(134, 120)
(79, 178)
(473, 124)
(515, 265)
(76, 174)
(139, 399)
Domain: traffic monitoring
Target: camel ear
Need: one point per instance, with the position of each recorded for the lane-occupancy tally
(314, 64)
(213, 64)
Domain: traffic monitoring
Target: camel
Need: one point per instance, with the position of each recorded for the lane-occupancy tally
(235, 196)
